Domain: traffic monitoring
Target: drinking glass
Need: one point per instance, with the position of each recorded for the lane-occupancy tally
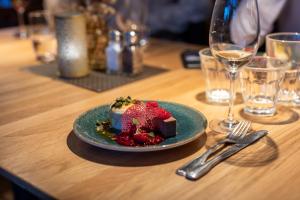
(216, 84)
(42, 35)
(20, 7)
(233, 40)
(132, 16)
(287, 46)
(260, 84)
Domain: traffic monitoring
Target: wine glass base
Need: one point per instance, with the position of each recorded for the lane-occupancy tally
(48, 58)
(222, 126)
(21, 35)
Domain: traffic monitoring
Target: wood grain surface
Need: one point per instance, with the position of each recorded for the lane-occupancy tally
(39, 149)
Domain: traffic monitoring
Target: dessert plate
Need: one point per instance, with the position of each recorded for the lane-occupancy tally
(190, 125)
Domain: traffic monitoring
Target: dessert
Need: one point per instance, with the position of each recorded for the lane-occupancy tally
(138, 123)
(117, 109)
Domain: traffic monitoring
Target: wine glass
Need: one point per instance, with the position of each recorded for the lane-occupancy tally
(233, 40)
(132, 16)
(20, 7)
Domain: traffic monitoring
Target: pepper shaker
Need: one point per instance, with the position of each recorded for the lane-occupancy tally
(114, 53)
(132, 54)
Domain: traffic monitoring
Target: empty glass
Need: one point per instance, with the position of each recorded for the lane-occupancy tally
(42, 36)
(260, 84)
(132, 16)
(216, 84)
(20, 7)
(287, 46)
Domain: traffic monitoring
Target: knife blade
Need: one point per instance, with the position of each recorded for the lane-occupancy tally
(197, 171)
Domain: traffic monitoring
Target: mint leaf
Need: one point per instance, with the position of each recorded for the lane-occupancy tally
(151, 134)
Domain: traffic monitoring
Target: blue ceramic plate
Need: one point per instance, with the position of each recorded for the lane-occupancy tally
(191, 124)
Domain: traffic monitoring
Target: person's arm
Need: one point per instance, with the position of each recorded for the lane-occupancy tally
(174, 17)
(269, 11)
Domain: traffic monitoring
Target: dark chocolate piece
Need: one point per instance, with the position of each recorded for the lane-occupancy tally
(167, 127)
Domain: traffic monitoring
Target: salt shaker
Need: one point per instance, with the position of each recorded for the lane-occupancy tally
(132, 54)
(114, 53)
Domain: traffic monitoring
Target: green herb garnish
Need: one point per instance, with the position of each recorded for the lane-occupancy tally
(151, 134)
(135, 121)
(103, 125)
(122, 101)
(103, 128)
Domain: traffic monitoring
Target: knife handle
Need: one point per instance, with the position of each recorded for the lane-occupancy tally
(201, 159)
(199, 171)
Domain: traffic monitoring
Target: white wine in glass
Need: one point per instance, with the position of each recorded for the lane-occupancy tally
(233, 40)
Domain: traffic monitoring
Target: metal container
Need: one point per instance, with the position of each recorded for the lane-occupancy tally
(71, 45)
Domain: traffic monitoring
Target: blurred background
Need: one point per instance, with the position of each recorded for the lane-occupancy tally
(179, 20)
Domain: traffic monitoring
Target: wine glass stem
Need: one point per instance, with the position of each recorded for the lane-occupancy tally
(22, 29)
(232, 78)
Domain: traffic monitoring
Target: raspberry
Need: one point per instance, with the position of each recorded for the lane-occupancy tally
(124, 139)
(152, 104)
(158, 139)
(141, 138)
(159, 113)
(154, 140)
(162, 114)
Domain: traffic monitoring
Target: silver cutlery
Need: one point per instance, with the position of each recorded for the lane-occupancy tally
(237, 133)
(199, 171)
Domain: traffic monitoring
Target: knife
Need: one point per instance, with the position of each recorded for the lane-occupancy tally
(197, 171)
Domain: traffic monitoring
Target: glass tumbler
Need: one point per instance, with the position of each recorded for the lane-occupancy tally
(42, 36)
(216, 83)
(287, 46)
(260, 83)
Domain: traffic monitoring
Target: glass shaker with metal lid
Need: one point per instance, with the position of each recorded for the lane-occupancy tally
(132, 54)
(114, 53)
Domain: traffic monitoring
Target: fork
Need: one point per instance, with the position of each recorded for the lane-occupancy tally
(237, 133)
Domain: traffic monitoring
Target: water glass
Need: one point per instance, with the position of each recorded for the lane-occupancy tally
(287, 46)
(216, 83)
(42, 36)
(260, 83)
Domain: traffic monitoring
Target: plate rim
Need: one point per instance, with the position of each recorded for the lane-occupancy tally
(139, 149)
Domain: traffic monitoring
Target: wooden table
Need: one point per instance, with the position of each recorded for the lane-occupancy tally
(39, 151)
